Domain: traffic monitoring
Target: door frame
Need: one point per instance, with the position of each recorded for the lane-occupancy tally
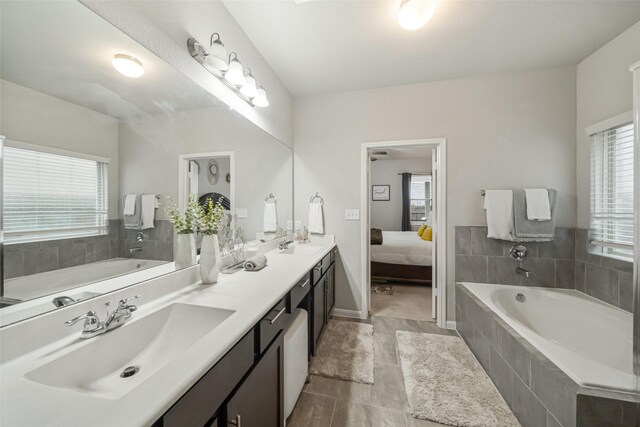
(440, 230)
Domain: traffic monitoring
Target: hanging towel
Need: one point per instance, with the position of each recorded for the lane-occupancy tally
(133, 222)
(270, 219)
(537, 200)
(316, 218)
(499, 207)
(533, 231)
(148, 211)
(194, 170)
(255, 263)
(130, 204)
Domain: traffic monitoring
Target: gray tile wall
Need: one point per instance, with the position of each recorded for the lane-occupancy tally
(30, 258)
(537, 391)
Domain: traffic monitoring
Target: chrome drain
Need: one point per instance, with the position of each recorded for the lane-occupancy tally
(520, 297)
(129, 371)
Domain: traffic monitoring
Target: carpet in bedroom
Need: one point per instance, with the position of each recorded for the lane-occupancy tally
(407, 302)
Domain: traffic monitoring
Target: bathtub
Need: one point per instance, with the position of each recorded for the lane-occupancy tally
(591, 341)
(37, 285)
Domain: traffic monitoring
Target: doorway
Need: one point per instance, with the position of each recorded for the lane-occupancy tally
(404, 229)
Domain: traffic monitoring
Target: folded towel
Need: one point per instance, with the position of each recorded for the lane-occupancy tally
(270, 219)
(499, 207)
(376, 236)
(316, 218)
(255, 263)
(194, 171)
(533, 231)
(133, 222)
(148, 211)
(129, 204)
(538, 208)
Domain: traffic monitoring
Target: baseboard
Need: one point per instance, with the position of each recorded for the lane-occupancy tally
(451, 324)
(355, 314)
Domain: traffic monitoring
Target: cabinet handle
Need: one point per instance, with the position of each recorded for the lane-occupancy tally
(272, 321)
(237, 422)
(318, 267)
(306, 282)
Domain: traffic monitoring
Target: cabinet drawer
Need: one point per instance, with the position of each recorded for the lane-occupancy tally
(202, 401)
(326, 262)
(272, 323)
(334, 254)
(299, 291)
(316, 273)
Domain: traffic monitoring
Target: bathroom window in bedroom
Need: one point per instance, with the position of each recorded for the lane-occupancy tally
(52, 194)
(612, 191)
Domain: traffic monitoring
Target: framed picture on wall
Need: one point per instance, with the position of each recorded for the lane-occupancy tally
(381, 193)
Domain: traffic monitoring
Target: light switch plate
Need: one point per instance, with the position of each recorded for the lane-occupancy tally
(242, 212)
(352, 214)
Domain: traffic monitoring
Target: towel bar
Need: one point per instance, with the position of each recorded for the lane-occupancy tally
(316, 196)
(269, 197)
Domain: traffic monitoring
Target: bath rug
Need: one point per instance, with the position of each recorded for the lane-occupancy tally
(446, 384)
(382, 290)
(345, 352)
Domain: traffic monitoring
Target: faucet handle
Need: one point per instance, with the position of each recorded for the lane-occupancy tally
(123, 302)
(90, 316)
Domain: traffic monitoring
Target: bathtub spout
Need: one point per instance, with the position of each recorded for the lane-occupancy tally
(522, 271)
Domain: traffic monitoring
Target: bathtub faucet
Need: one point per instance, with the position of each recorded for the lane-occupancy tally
(524, 272)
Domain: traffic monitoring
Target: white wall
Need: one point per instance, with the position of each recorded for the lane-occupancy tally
(222, 186)
(37, 118)
(604, 90)
(510, 130)
(163, 27)
(388, 215)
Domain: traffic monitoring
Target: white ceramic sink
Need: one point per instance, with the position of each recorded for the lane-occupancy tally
(301, 250)
(147, 343)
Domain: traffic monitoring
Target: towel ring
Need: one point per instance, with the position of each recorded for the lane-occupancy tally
(316, 196)
(269, 197)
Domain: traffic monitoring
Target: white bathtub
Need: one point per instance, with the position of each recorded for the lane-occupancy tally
(37, 285)
(591, 341)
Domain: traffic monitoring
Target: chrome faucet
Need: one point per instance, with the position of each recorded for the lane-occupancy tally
(118, 317)
(285, 244)
(523, 272)
(63, 300)
(519, 253)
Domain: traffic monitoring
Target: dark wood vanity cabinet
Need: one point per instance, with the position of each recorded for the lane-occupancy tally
(323, 298)
(331, 292)
(318, 316)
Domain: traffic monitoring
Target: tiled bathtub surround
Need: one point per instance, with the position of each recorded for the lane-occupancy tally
(563, 263)
(539, 393)
(30, 258)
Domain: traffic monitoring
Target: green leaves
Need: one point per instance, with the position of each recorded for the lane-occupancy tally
(208, 219)
(184, 223)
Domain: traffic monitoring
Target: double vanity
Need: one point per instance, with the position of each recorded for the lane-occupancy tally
(191, 354)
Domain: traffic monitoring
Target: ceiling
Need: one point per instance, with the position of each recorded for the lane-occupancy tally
(326, 46)
(402, 153)
(65, 50)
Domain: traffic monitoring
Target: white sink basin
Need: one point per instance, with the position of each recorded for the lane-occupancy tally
(301, 250)
(147, 343)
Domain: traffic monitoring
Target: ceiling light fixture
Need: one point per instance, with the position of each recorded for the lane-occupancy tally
(235, 73)
(260, 100)
(414, 14)
(217, 56)
(128, 65)
(249, 88)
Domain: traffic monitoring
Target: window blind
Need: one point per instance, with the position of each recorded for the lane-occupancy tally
(51, 196)
(612, 184)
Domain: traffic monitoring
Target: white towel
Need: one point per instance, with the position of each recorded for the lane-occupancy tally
(130, 204)
(194, 171)
(270, 219)
(499, 207)
(316, 218)
(148, 210)
(538, 208)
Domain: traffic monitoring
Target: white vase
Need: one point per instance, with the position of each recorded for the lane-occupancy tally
(210, 259)
(185, 255)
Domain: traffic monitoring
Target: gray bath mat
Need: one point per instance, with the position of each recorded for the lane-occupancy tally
(445, 383)
(345, 352)
(382, 290)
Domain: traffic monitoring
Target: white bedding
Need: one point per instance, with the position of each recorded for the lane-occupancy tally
(402, 247)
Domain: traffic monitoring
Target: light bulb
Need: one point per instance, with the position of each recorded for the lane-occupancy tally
(235, 73)
(249, 89)
(260, 100)
(128, 65)
(413, 14)
(217, 57)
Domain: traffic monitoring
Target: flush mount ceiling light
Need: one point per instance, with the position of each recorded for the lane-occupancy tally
(127, 65)
(249, 88)
(260, 100)
(414, 14)
(235, 73)
(217, 57)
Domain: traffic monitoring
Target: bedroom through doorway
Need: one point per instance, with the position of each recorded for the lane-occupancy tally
(401, 220)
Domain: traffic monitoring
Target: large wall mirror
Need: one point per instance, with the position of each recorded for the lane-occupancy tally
(90, 155)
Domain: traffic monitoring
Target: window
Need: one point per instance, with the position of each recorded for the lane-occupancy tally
(420, 198)
(48, 195)
(612, 191)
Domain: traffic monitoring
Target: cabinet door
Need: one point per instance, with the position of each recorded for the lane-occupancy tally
(259, 400)
(318, 312)
(331, 291)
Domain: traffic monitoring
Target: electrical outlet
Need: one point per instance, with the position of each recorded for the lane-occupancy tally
(242, 212)
(289, 224)
(352, 214)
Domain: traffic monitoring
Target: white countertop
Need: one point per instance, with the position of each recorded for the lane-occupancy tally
(250, 294)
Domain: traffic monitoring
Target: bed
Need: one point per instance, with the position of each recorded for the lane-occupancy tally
(402, 256)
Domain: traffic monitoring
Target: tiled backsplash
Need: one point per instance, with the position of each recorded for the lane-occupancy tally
(30, 258)
(563, 263)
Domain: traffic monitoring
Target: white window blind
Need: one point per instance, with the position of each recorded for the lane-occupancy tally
(51, 196)
(612, 191)
(420, 197)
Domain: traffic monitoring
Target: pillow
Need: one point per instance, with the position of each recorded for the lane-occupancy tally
(427, 234)
(424, 227)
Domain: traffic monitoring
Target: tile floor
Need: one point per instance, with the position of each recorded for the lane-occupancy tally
(328, 402)
(407, 302)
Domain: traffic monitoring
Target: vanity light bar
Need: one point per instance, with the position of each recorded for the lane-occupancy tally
(200, 53)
